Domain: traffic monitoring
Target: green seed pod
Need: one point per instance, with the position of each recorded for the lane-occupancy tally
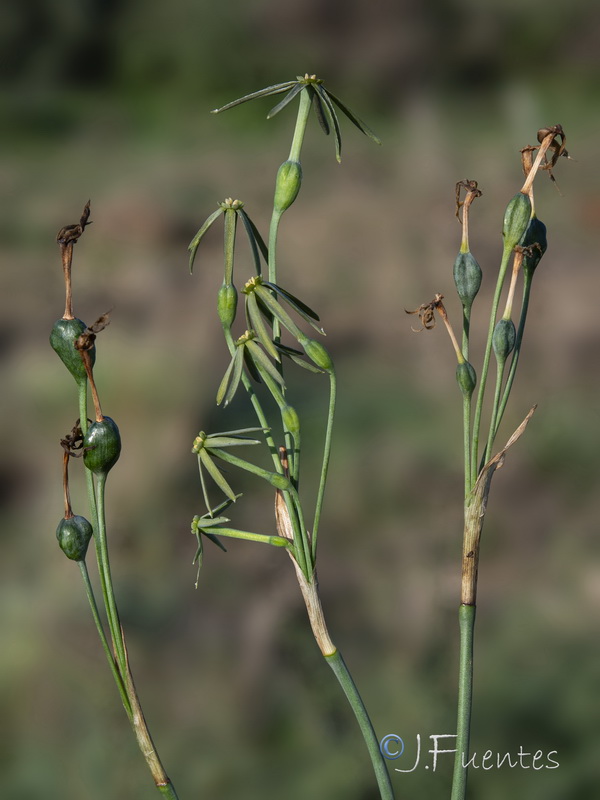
(101, 446)
(467, 277)
(227, 304)
(318, 354)
(74, 536)
(466, 378)
(290, 419)
(516, 219)
(534, 235)
(62, 339)
(287, 185)
(503, 340)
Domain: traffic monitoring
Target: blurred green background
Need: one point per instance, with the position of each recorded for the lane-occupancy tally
(109, 101)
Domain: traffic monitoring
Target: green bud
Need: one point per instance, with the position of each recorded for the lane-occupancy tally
(227, 304)
(318, 354)
(101, 446)
(466, 378)
(534, 235)
(287, 185)
(74, 536)
(503, 340)
(63, 336)
(467, 277)
(290, 419)
(516, 219)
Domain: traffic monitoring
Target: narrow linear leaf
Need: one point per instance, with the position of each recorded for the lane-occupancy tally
(204, 522)
(362, 126)
(332, 116)
(231, 441)
(259, 327)
(277, 88)
(255, 238)
(319, 111)
(287, 99)
(278, 312)
(306, 365)
(236, 376)
(216, 475)
(204, 487)
(262, 362)
(193, 246)
(251, 367)
(221, 391)
(238, 431)
(301, 308)
(215, 540)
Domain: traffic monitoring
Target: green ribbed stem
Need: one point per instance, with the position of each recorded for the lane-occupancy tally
(466, 619)
(337, 664)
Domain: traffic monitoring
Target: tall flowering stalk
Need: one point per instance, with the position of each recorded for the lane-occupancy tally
(524, 242)
(99, 442)
(271, 339)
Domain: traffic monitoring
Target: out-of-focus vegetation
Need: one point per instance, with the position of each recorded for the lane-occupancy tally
(110, 101)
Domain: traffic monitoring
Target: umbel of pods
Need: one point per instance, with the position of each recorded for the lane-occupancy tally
(100, 445)
(524, 239)
(258, 355)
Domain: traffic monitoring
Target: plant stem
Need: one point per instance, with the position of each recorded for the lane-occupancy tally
(105, 646)
(466, 618)
(337, 664)
(486, 363)
(467, 442)
(326, 457)
(105, 577)
(517, 351)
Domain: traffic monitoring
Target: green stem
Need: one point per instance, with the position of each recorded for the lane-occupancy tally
(326, 457)
(494, 416)
(467, 442)
(105, 576)
(233, 533)
(337, 664)
(517, 351)
(105, 646)
(466, 618)
(300, 129)
(486, 363)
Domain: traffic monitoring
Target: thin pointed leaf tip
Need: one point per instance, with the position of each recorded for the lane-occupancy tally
(323, 104)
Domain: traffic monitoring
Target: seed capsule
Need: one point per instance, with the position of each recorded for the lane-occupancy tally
(467, 277)
(317, 353)
(227, 304)
(287, 185)
(466, 378)
(534, 235)
(290, 419)
(74, 536)
(503, 340)
(62, 339)
(101, 446)
(516, 219)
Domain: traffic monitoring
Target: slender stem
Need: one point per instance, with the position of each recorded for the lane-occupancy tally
(467, 442)
(105, 576)
(105, 646)
(300, 129)
(494, 416)
(337, 664)
(326, 457)
(466, 618)
(486, 363)
(517, 351)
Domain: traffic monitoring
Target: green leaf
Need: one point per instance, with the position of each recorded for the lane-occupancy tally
(319, 111)
(230, 441)
(238, 431)
(221, 391)
(262, 362)
(216, 475)
(296, 89)
(301, 308)
(193, 246)
(280, 313)
(259, 327)
(256, 241)
(330, 111)
(208, 522)
(251, 366)
(363, 127)
(277, 88)
(236, 375)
